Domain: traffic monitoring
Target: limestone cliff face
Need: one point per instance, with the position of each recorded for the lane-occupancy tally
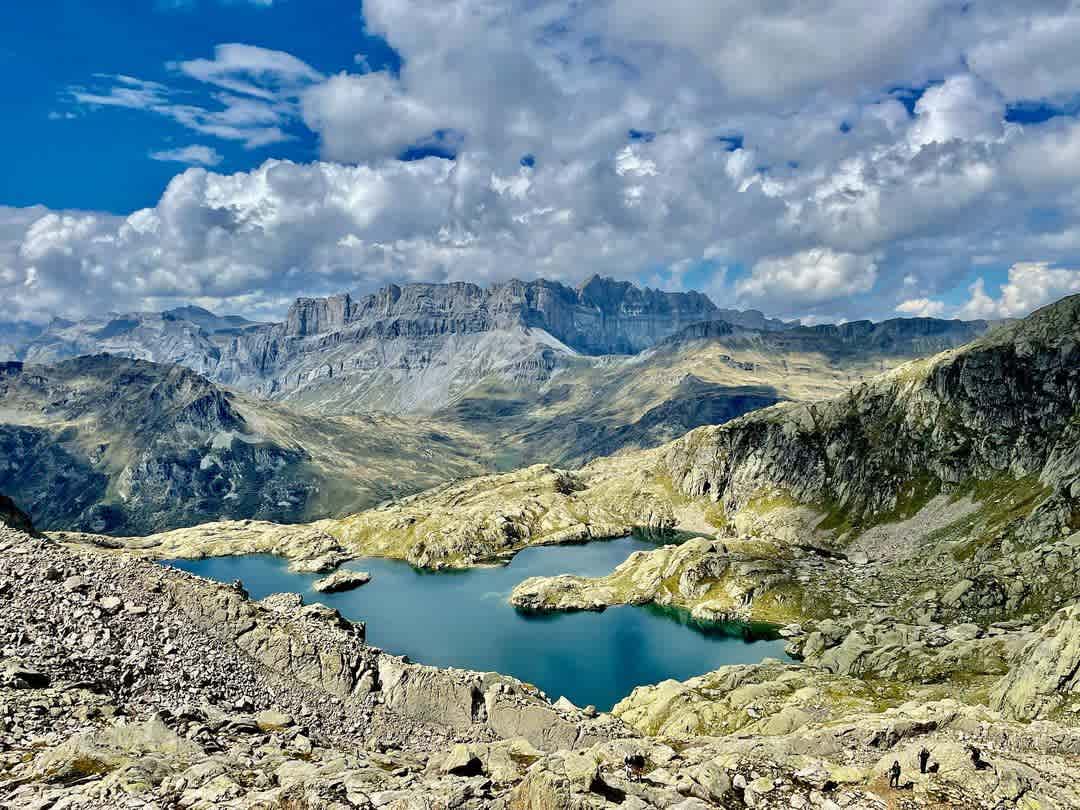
(310, 316)
(417, 346)
(602, 316)
(911, 337)
(420, 348)
(1004, 405)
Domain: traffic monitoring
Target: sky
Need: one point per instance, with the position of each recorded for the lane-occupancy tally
(826, 161)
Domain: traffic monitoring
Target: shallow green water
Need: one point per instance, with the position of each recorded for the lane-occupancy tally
(462, 619)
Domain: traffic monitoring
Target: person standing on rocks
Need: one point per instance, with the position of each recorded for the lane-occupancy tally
(894, 774)
(924, 758)
(977, 760)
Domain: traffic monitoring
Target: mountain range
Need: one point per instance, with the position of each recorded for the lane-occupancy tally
(472, 380)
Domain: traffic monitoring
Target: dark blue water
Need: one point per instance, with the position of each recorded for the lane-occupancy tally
(463, 619)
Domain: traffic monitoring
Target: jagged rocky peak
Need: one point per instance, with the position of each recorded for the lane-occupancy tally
(613, 297)
(313, 316)
(205, 319)
(602, 316)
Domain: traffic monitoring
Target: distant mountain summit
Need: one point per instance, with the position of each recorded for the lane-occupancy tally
(895, 337)
(601, 316)
(412, 347)
(206, 319)
(420, 348)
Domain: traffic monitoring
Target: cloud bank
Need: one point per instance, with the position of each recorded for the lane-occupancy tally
(839, 160)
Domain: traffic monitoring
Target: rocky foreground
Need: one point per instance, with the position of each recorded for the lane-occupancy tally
(124, 684)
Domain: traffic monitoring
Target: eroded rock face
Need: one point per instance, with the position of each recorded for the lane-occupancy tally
(13, 517)
(908, 433)
(600, 317)
(310, 316)
(1046, 679)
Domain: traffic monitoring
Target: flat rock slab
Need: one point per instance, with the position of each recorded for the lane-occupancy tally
(342, 581)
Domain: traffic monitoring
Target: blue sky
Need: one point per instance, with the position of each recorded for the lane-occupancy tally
(100, 160)
(823, 161)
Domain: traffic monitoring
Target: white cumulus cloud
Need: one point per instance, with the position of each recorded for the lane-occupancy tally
(1030, 286)
(194, 155)
(835, 159)
(807, 278)
(921, 308)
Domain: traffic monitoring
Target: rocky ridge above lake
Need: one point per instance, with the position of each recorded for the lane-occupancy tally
(481, 379)
(915, 539)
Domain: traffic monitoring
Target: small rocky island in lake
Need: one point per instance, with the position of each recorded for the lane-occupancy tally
(343, 580)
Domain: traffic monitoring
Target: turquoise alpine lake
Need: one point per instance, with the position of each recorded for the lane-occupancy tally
(463, 619)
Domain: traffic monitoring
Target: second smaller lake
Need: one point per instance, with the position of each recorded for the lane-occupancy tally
(463, 619)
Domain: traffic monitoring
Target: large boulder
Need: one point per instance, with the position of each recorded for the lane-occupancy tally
(1046, 679)
(13, 516)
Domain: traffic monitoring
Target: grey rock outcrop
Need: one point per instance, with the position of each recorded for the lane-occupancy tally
(1046, 680)
(312, 316)
(342, 581)
(602, 316)
(911, 432)
(13, 517)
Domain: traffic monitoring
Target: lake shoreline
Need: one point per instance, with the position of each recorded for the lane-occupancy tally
(462, 618)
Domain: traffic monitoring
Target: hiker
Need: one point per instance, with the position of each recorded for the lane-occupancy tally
(924, 758)
(977, 760)
(634, 764)
(894, 774)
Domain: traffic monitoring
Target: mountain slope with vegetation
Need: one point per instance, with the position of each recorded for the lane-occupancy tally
(130, 449)
(125, 446)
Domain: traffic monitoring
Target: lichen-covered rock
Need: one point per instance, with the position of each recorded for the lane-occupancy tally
(1046, 678)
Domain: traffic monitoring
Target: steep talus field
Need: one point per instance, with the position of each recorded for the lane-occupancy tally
(108, 444)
